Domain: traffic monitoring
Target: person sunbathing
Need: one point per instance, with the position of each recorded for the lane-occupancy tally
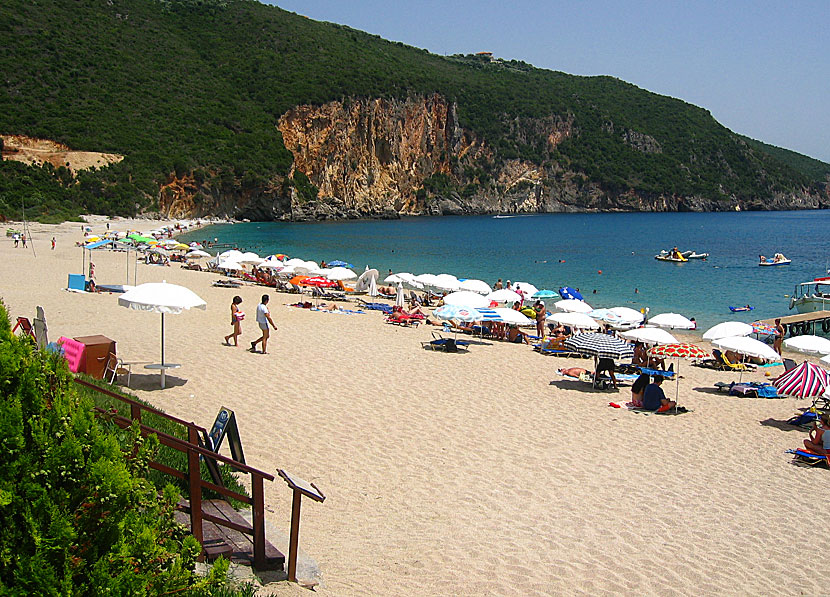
(654, 398)
(517, 336)
(640, 355)
(573, 371)
(416, 313)
(819, 440)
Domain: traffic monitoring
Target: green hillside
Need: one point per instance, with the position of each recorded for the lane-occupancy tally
(198, 87)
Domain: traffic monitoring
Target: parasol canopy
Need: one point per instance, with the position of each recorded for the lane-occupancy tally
(727, 329)
(649, 335)
(804, 381)
(747, 346)
(679, 351)
(672, 321)
(809, 344)
(600, 345)
(573, 306)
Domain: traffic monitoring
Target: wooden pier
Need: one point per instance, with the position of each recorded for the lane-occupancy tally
(803, 323)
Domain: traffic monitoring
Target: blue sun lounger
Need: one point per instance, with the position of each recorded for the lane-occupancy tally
(809, 458)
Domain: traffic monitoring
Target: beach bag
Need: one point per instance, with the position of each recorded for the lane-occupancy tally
(450, 345)
(239, 315)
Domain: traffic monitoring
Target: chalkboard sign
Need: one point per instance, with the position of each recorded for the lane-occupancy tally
(225, 424)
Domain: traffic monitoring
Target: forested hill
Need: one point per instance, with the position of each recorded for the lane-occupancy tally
(201, 98)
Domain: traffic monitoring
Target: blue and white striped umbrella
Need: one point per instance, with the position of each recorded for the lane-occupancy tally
(600, 345)
(488, 315)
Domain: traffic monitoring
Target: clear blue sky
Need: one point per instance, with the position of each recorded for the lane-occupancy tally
(762, 68)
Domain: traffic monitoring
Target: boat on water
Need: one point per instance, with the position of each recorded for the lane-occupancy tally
(777, 259)
(676, 256)
(694, 255)
(812, 296)
(741, 309)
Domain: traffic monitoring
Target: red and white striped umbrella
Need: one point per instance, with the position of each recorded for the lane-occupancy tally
(804, 381)
(682, 351)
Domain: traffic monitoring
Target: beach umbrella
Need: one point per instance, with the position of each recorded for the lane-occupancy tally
(409, 279)
(339, 263)
(512, 317)
(747, 346)
(392, 279)
(426, 279)
(197, 254)
(566, 292)
(479, 286)
(447, 282)
(809, 344)
(249, 259)
(163, 298)
(399, 298)
(600, 345)
(320, 271)
(804, 381)
(628, 315)
(574, 320)
(272, 265)
(488, 314)
(526, 289)
(318, 281)
(458, 313)
(727, 329)
(649, 335)
(233, 254)
(678, 351)
(229, 265)
(504, 295)
(367, 282)
(545, 294)
(762, 328)
(295, 262)
(465, 298)
(673, 321)
(573, 306)
(340, 273)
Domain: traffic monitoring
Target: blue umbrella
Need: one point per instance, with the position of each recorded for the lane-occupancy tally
(338, 263)
(545, 294)
(566, 292)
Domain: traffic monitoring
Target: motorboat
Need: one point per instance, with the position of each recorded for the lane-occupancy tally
(812, 296)
(777, 259)
(674, 256)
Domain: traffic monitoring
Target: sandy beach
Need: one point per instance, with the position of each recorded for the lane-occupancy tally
(478, 473)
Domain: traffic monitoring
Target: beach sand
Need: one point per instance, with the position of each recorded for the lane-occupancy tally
(479, 473)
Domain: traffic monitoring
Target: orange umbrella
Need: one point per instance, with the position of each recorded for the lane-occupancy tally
(298, 280)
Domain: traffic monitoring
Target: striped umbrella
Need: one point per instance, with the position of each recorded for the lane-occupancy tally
(680, 351)
(763, 328)
(600, 345)
(804, 381)
(488, 314)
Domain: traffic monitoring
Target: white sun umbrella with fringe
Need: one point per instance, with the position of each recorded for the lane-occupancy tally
(727, 329)
(465, 298)
(340, 273)
(392, 279)
(162, 298)
(295, 261)
(409, 279)
(574, 320)
(447, 282)
(809, 344)
(479, 286)
(672, 321)
(649, 335)
(513, 317)
(628, 315)
(197, 254)
(504, 295)
(426, 279)
(249, 258)
(272, 264)
(573, 306)
(527, 289)
(399, 297)
(230, 265)
(747, 346)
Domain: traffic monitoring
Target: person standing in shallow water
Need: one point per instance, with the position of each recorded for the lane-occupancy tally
(236, 320)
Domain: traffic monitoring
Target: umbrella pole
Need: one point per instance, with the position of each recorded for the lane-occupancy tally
(162, 340)
(677, 385)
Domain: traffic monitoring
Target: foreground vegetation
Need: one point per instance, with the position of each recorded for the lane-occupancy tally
(80, 515)
(196, 87)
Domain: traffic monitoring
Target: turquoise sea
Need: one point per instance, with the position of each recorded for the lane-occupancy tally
(620, 245)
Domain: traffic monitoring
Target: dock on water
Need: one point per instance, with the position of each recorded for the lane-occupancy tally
(803, 323)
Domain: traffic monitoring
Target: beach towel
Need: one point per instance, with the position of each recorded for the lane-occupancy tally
(680, 410)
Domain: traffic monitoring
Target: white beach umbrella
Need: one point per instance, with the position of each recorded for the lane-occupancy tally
(747, 346)
(392, 279)
(574, 320)
(526, 289)
(311, 265)
(809, 344)
(447, 282)
(465, 298)
(250, 259)
(163, 298)
(399, 298)
(230, 265)
(649, 335)
(673, 321)
(512, 317)
(320, 271)
(340, 273)
(426, 279)
(628, 315)
(295, 261)
(368, 281)
(573, 306)
(727, 329)
(273, 264)
(197, 254)
(503, 296)
(231, 254)
(409, 279)
(479, 286)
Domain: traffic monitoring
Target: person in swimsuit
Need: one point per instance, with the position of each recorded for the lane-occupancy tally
(638, 389)
(541, 316)
(654, 398)
(819, 440)
(263, 318)
(236, 320)
(517, 336)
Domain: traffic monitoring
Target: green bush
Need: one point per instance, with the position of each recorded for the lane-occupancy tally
(79, 515)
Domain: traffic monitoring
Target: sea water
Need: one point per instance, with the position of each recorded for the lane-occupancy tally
(609, 257)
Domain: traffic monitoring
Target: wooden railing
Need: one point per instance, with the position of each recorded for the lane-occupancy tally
(193, 475)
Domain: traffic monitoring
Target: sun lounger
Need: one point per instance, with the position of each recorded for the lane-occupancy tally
(25, 327)
(446, 344)
(401, 319)
(808, 458)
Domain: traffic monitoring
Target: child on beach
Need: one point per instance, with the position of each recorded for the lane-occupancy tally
(236, 320)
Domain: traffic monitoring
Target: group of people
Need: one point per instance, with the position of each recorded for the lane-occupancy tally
(18, 238)
(263, 319)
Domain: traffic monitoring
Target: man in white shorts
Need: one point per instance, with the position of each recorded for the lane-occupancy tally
(263, 318)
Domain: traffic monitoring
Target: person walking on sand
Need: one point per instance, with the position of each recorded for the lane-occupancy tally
(53, 243)
(263, 318)
(236, 320)
(779, 336)
(23, 240)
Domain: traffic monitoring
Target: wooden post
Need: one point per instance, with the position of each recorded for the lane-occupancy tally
(258, 498)
(194, 479)
(295, 536)
(135, 412)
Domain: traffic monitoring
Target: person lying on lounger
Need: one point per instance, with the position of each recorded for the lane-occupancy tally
(819, 440)
(654, 398)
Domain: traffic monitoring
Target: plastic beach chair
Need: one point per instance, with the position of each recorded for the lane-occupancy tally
(25, 327)
(76, 283)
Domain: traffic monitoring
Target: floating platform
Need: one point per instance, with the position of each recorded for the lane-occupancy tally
(803, 323)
